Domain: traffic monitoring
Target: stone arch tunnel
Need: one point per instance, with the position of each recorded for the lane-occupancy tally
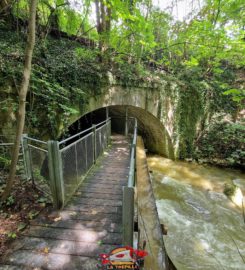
(152, 106)
(154, 110)
(153, 132)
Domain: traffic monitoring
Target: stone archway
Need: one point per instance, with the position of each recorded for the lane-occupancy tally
(155, 135)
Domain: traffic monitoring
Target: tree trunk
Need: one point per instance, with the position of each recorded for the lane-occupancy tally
(6, 11)
(131, 7)
(97, 8)
(108, 24)
(102, 15)
(103, 24)
(22, 97)
(4, 5)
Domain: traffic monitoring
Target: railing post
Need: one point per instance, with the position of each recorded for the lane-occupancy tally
(128, 216)
(26, 156)
(107, 113)
(94, 142)
(56, 174)
(110, 127)
(108, 130)
(126, 123)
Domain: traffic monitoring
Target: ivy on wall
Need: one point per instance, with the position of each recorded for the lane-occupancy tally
(189, 111)
(64, 74)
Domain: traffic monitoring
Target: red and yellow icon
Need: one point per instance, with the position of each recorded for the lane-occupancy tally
(126, 256)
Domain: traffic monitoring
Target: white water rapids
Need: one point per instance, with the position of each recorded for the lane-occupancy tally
(206, 231)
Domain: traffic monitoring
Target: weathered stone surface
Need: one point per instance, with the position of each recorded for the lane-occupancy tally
(155, 109)
(148, 106)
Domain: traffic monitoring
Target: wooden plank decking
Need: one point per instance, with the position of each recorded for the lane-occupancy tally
(89, 225)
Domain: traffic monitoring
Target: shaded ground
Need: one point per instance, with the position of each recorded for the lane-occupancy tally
(24, 204)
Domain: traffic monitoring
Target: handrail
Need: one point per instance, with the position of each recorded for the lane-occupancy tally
(101, 123)
(74, 136)
(122, 117)
(6, 144)
(131, 177)
(84, 131)
(38, 148)
(35, 140)
(84, 137)
(128, 196)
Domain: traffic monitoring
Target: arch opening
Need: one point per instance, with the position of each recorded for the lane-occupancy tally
(153, 132)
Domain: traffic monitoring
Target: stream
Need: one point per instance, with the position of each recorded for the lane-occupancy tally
(206, 230)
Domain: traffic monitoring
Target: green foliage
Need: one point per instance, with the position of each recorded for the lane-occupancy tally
(21, 226)
(62, 71)
(32, 214)
(10, 201)
(229, 189)
(204, 54)
(223, 143)
(129, 74)
(12, 235)
(189, 110)
(7, 103)
(238, 95)
(143, 31)
(86, 55)
(4, 162)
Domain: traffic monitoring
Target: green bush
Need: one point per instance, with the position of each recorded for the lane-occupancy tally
(4, 162)
(225, 142)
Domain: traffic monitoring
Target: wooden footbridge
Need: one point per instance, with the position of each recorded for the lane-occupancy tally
(98, 203)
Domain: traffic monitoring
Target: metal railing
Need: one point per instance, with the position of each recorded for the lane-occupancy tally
(35, 154)
(6, 148)
(128, 195)
(58, 168)
(102, 135)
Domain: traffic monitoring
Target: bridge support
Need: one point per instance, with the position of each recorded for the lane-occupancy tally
(94, 142)
(128, 195)
(126, 122)
(128, 216)
(56, 174)
(26, 156)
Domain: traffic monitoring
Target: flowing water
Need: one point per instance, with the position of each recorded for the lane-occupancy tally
(206, 230)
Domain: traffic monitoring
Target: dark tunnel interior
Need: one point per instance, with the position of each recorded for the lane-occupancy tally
(153, 132)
